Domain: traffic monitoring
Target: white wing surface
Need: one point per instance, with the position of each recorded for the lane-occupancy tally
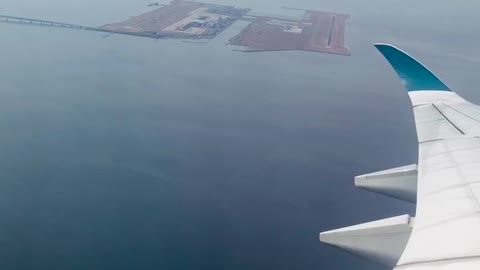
(446, 231)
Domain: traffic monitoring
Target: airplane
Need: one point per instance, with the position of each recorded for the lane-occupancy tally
(445, 184)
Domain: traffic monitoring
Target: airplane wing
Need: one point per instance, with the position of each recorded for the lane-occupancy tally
(445, 234)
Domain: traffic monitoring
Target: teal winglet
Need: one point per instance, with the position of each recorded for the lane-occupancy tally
(414, 75)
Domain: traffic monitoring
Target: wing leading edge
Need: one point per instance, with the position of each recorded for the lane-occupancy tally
(445, 234)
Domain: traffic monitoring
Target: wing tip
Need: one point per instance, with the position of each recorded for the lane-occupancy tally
(381, 47)
(414, 75)
(380, 44)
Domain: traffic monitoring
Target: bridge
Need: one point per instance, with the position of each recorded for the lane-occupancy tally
(20, 20)
(37, 22)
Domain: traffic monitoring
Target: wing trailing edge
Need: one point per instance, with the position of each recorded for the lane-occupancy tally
(382, 241)
(399, 183)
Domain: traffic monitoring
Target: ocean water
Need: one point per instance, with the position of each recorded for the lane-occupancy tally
(126, 153)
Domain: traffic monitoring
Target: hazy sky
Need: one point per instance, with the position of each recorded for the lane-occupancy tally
(127, 153)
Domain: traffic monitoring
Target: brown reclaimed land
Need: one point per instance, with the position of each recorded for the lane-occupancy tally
(317, 31)
(320, 32)
(328, 33)
(261, 35)
(156, 20)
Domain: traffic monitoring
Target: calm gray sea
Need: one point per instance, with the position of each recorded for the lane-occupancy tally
(126, 153)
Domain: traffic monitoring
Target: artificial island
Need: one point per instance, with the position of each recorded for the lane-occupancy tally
(316, 31)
